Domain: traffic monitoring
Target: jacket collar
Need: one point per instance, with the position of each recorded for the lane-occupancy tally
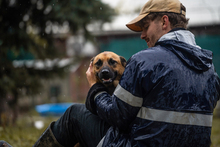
(180, 34)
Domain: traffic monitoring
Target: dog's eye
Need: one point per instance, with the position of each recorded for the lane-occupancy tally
(112, 62)
(98, 63)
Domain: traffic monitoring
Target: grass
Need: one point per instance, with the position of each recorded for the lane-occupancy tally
(24, 133)
(215, 137)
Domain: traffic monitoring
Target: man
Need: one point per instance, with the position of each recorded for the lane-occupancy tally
(167, 93)
(165, 97)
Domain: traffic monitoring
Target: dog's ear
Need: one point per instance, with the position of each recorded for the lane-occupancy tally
(123, 61)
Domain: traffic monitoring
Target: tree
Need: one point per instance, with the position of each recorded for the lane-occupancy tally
(26, 34)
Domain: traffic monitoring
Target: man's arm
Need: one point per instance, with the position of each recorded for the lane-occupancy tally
(122, 107)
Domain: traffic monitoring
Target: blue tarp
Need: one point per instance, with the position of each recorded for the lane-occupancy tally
(55, 109)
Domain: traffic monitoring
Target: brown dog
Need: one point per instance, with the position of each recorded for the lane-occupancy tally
(108, 68)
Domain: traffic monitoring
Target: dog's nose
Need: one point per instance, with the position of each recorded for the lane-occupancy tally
(105, 71)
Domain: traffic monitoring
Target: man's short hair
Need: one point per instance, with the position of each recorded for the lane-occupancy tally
(176, 20)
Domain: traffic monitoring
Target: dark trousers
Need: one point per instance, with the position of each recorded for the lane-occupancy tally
(78, 124)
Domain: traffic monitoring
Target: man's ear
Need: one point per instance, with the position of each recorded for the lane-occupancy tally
(165, 22)
(123, 61)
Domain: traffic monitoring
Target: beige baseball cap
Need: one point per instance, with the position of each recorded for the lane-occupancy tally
(173, 6)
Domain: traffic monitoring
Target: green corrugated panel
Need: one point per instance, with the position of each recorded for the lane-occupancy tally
(211, 43)
(125, 47)
(128, 47)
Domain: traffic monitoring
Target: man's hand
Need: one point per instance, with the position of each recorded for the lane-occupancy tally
(90, 75)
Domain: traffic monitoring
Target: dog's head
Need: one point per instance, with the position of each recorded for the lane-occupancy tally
(108, 68)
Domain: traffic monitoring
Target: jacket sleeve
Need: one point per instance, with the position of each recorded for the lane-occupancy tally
(90, 103)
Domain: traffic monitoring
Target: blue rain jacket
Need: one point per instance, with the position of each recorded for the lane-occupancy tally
(165, 97)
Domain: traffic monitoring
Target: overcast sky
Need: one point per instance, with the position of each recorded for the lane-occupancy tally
(200, 12)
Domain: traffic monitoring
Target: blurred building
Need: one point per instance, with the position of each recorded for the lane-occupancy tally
(73, 87)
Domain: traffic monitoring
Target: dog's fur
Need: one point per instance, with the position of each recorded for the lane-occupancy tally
(108, 68)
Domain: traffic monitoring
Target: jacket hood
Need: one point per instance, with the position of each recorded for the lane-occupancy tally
(182, 43)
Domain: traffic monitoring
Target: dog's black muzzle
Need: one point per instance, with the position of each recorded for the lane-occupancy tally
(106, 75)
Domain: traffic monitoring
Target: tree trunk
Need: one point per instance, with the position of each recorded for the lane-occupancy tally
(14, 106)
(3, 116)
